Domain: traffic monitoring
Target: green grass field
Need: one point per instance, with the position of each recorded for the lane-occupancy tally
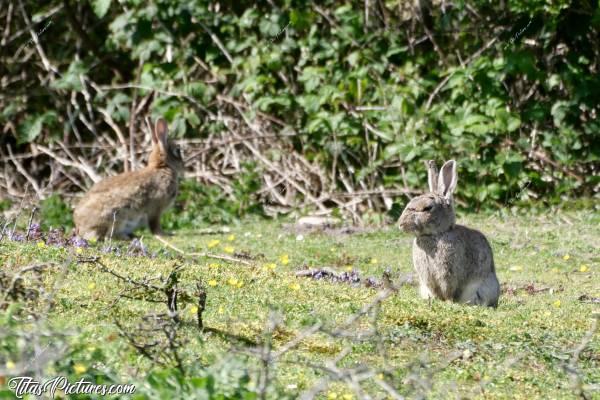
(524, 349)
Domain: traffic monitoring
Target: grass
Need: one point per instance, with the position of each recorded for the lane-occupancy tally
(519, 350)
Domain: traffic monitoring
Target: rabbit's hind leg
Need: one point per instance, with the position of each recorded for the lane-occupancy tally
(489, 291)
(481, 292)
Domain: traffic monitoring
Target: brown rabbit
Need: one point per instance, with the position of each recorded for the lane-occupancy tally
(453, 262)
(120, 204)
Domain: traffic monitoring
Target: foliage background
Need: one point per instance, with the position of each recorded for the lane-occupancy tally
(363, 92)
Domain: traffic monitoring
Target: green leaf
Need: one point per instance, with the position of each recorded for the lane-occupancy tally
(513, 123)
(100, 7)
(71, 80)
(31, 128)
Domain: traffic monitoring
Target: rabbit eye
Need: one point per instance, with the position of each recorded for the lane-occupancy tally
(427, 208)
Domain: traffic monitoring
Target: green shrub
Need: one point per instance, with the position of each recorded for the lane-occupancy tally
(54, 212)
(519, 105)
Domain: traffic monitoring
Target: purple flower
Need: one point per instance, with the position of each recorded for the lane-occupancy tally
(16, 236)
(55, 237)
(77, 241)
(34, 232)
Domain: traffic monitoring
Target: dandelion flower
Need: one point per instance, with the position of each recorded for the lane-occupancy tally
(194, 310)
(232, 281)
(41, 244)
(566, 257)
(79, 250)
(239, 284)
(295, 286)
(92, 286)
(332, 396)
(285, 259)
(213, 243)
(271, 266)
(374, 261)
(231, 238)
(213, 265)
(228, 249)
(347, 396)
(583, 268)
(10, 365)
(556, 304)
(348, 268)
(220, 310)
(212, 283)
(79, 368)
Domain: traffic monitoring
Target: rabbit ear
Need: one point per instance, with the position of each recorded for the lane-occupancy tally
(447, 179)
(160, 133)
(432, 176)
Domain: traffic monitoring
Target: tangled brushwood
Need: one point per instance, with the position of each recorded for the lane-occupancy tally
(324, 107)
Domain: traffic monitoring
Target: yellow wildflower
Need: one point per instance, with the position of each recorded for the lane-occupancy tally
(556, 304)
(79, 368)
(583, 268)
(221, 310)
(194, 310)
(212, 283)
(79, 250)
(232, 282)
(239, 284)
(228, 249)
(285, 259)
(295, 286)
(10, 365)
(374, 261)
(91, 286)
(271, 266)
(213, 265)
(566, 257)
(516, 268)
(41, 244)
(231, 238)
(347, 396)
(213, 243)
(348, 268)
(332, 396)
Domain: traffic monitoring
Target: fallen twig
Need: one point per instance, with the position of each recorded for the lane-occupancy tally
(201, 254)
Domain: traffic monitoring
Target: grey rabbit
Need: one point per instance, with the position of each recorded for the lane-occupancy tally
(453, 262)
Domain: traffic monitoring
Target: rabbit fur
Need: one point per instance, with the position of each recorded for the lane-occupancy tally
(118, 205)
(453, 262)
